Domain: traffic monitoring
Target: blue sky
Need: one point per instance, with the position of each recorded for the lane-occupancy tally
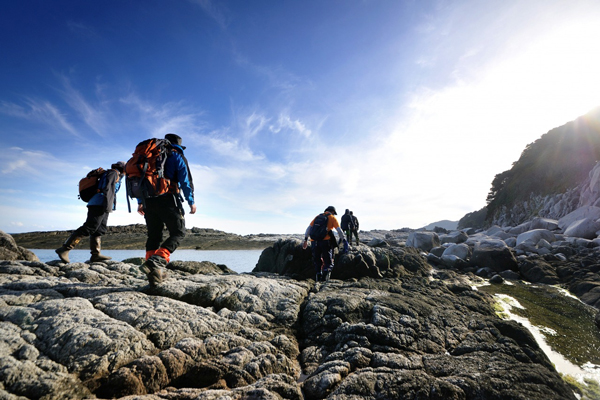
(402, 111)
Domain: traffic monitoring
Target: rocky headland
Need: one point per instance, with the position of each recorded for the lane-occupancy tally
(400, 318)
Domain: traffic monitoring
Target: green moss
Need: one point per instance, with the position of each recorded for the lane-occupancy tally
(576, 336)
(589, 389)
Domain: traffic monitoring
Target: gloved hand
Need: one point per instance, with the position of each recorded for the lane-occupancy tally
(346, 247)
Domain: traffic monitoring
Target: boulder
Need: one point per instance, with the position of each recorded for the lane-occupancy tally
(538, 271)
(454, 237)
(423, 240)
(493, 254)
(461, 251)
(438, 251)
(494, 230)
(584, 228)
(9, 250)
(517, 230)
(286, 257)
(590, 212)
(543, 223)
(535, 235)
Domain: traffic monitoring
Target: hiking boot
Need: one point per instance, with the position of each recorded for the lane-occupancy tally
(156, 277)
(153, 268)
(95, 244)
(319, 277)
(68, 245)
(327, 276)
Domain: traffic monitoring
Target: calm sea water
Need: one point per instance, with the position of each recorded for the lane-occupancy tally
(238, 260)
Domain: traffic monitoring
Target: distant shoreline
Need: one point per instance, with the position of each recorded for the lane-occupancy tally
(133, 237)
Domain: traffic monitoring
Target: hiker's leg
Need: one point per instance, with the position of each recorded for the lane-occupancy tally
(175, 223)
(316, 258)
(91, 224)
(69, 244)
(154, 225)
(327, 254)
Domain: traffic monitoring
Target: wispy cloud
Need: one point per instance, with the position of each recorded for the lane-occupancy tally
(285, 122)
(92, 115)
(17, 163)
(39, 111)
(160, 119)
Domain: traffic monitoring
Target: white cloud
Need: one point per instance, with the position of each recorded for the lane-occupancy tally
(285, 122)
(93, 116)
(39, 111)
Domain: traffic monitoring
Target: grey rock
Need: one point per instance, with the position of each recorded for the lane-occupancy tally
(461, 251)
(493, 254)
(584, 228)
(454, 237)
(9, 250)
(423, 240)
(535, 235)
(544, 223)
(538, 271)
(586, 212)
(438, 251)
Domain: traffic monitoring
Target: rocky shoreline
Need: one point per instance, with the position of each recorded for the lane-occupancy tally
(399, 319)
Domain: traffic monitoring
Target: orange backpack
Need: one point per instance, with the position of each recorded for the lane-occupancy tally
(88, 185)
(145, 170)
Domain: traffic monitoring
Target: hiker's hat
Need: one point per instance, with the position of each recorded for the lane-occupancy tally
(120, 165)
(331, 209)
(174, 139)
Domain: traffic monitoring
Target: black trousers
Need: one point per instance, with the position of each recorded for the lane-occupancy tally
(322, 254)
(95, 224)
(160, 212)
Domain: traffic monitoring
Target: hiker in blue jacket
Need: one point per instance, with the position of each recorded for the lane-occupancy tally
(99, 206)
(167, 210)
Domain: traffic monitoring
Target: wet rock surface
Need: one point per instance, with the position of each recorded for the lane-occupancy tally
(387, 325)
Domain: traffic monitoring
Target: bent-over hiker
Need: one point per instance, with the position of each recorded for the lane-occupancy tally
(99, 206)
(167, 210)
(320, 232)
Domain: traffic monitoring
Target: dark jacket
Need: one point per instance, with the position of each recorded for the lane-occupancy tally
(346, 223)
(354, 223)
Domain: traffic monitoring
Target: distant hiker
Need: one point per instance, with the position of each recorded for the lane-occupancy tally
(346, 225)
(320, 232)
(103, 202)
(165, 209)
(354, 228)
